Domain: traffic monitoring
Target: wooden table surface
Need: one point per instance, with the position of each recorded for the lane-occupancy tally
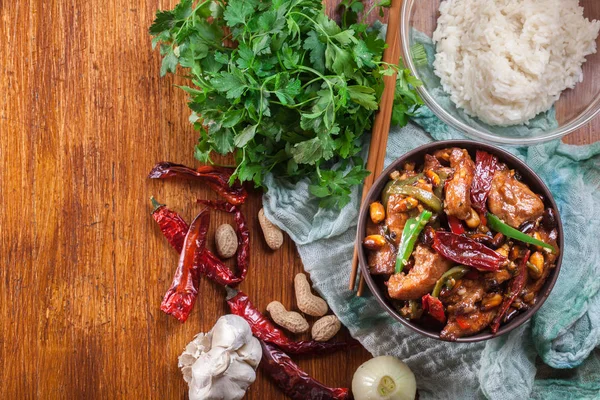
(84, 116)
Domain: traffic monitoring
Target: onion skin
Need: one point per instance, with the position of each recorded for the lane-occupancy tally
(384, 377)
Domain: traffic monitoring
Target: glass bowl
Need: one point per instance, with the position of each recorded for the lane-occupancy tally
(575, 107)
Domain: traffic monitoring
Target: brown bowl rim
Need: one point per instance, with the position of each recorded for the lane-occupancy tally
(529, 177)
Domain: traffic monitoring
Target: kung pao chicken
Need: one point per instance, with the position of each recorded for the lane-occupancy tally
(462, 245)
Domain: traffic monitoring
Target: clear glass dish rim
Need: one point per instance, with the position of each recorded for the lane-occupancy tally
(590, 112)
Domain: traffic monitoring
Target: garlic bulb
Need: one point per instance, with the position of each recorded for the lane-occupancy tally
(384, 378)
(221, 364)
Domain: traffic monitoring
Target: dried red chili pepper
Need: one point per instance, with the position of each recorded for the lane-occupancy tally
(455, 225)
(216, 177)
(466, 251)
(214, 269)
(294, 382)
(516, 286)
(180, 297)
(434, 307)
(172, 226)
(485, 167)
(241, 230)
(263, 329)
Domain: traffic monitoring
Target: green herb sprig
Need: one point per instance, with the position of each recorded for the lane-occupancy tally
(294, 93)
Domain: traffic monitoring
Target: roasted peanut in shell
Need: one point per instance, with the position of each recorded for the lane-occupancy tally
(273, 235)
(226, 241)
(325, 328)
(307, 302)
(290, 320)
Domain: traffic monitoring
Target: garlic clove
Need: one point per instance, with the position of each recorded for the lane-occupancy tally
(207, 370)
(186, 360)
(199, 345)
(231, 385)
(251, 352)
(187, 373)
(231, 332)
(240, 373)
(214, 363)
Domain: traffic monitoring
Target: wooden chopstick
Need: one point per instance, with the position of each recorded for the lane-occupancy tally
(381, 124)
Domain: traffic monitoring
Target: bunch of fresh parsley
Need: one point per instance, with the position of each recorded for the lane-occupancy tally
(286, 89)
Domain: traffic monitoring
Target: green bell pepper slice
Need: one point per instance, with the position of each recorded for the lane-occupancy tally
(410, 234)
(452, 273)
(424, 196)
(404, 182)
(438, 190)
(496, 224)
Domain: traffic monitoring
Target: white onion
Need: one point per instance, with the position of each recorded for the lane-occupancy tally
(384, 378)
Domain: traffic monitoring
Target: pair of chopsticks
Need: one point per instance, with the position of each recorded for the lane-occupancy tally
(381, 124)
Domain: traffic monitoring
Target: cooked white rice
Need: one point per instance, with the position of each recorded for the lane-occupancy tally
(505, 61)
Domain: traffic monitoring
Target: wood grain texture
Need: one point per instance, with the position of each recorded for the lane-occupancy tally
(83, 117)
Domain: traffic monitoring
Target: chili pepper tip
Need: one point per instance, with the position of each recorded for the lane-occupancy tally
(155, 204)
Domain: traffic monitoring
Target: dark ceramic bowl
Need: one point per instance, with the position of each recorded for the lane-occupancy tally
(528, 176)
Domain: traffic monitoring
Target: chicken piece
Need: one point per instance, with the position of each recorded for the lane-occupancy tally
(382, 262)
(467, 325)
(431, 163)
(463, 307)
(513, 201)
(420, 280)
(457, 202)
(395, 219)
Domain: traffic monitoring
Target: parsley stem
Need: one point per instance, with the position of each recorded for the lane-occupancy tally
(316, 24)
(311, 81)
(320, 75)
(235, 173)
(295, 105)
(366, 15)
(187, 20)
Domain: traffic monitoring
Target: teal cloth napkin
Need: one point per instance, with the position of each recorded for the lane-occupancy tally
(563, 334)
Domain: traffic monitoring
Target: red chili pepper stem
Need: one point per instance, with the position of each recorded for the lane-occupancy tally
(230, 293)
(155, 204)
